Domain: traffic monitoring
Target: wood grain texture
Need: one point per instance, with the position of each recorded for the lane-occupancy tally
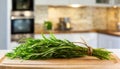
(87, 62)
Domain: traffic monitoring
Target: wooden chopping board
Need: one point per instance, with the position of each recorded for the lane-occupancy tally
(88, 60)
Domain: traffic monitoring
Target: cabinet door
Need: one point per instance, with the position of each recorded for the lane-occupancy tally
(103, 41)
(52, 2)
(90, 38)
(5, 10)
(107, 41)
(114, 42)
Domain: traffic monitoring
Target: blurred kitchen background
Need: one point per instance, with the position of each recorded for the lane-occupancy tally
(96, 21)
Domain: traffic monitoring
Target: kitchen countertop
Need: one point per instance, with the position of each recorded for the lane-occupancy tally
(61, 32)
(115, 66)
(112, 33)
(117, 34)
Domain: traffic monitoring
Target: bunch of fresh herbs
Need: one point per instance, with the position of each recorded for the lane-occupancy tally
(49, 48)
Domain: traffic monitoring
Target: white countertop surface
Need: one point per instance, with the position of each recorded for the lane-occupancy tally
(115, 51)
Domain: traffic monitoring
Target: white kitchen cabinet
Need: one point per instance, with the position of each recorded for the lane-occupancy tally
(52, 2)
(108, 41)
(103, 3)
(69, 2)
(116, 2)
(5, 10)
(82, 2)
(95, 40)
(12, 45)
(90, 38)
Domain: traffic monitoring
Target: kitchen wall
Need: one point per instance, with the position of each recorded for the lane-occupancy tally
(80, 17)
(41, 14)
(83, 18)
(99, 18)
(113, 18)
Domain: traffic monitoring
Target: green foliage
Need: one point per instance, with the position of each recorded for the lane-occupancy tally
(52, 47)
